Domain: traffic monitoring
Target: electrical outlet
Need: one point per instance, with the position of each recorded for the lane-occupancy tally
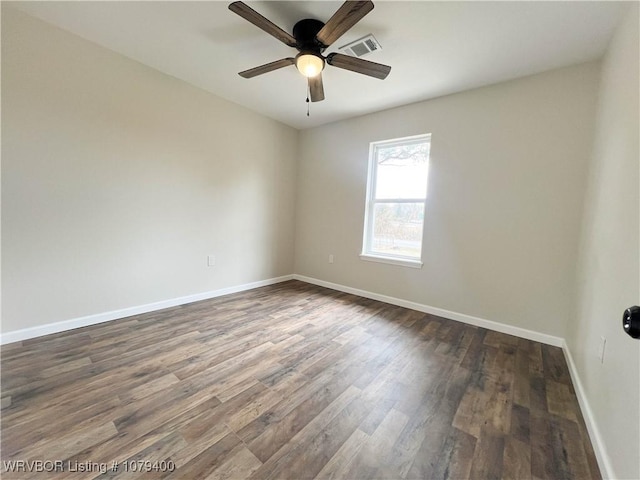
(603, 342)
(211, 260)
(331, 258)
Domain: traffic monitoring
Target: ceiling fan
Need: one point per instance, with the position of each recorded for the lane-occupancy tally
(311, 37)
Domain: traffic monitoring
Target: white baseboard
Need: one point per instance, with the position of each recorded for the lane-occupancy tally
(33, 332)
(604, 462)
(594, 433)
(460, 317)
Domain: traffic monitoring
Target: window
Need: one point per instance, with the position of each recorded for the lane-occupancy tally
(396, 196)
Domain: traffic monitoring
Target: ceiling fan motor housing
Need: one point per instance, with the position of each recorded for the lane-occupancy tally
(305, 32)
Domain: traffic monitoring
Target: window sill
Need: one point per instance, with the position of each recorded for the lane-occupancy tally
(402, 262)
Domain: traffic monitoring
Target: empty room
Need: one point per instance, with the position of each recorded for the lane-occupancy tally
(296, 240)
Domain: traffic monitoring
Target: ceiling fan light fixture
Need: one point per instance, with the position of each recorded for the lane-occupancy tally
(309, 64)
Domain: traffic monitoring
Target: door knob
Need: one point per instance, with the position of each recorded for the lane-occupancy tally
(631, 321)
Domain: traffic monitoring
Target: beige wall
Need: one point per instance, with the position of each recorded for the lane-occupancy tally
(118, 181)
(609, 274)
(507, 173)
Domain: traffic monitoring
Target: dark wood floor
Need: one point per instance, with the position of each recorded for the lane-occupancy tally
(290, 381)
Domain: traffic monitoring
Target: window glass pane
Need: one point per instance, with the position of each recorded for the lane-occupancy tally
(402, 171)
(397, 229)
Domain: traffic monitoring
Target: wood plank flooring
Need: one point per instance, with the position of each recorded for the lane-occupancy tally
(289, 381)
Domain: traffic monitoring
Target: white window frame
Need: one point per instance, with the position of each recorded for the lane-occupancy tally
(367, 253)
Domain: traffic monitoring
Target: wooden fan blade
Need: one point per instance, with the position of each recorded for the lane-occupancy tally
(345, 17)
(359, 65)
(267, 67)
(316, 88)
(261, 22)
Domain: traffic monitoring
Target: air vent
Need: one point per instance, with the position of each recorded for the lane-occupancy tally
(361, 47)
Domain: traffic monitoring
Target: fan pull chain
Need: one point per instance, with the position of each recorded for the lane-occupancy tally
(308, 93)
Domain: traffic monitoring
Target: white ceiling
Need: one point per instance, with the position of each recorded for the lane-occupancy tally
(434, 48)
